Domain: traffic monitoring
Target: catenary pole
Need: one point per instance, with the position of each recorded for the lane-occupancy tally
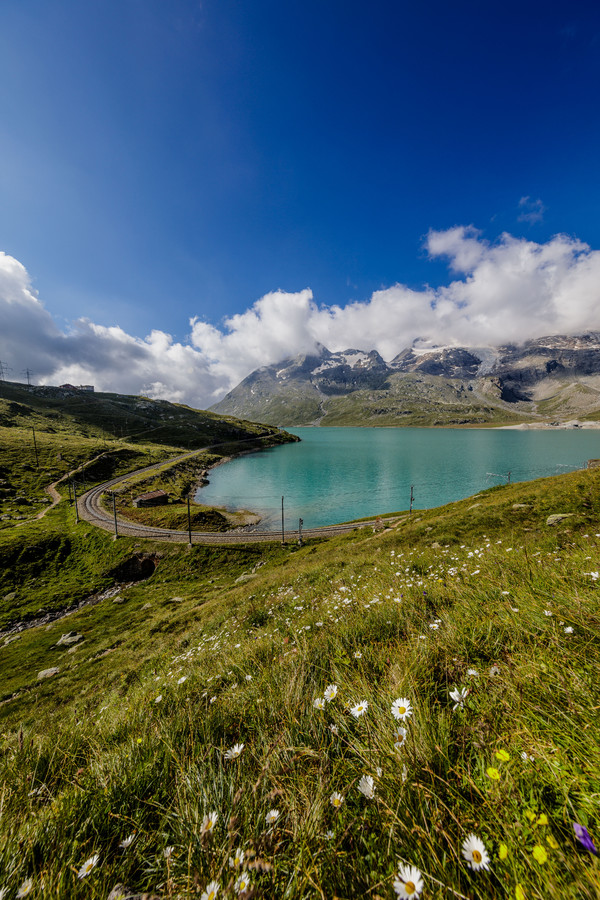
(75, 501)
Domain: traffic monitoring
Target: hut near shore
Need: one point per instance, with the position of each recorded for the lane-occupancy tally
(152, 498)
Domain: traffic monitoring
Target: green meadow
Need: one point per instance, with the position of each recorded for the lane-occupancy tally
(303, 722)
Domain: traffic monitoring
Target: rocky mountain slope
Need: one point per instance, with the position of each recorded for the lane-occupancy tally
(549, 379)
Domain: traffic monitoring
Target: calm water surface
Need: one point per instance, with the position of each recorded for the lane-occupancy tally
(337, 474)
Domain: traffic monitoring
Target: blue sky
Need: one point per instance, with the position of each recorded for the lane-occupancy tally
(165, 161)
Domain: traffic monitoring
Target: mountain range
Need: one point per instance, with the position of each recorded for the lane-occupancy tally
(549, 380)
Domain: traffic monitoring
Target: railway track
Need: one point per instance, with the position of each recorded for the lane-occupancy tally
(90, 509)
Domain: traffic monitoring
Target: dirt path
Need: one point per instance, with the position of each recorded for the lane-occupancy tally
(50, 489)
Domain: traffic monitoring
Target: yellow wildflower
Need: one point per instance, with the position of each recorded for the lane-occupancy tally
(493, 773)
(519, 893)
(503, 851)
(502, 755)
(539, 854)
(542, 820)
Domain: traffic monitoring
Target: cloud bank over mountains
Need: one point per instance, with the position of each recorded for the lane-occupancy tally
(506, 291)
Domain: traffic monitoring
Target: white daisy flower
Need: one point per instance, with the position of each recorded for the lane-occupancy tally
(329, 835)
(127, 842)
(334, 729)
(319, 703)
(409, 882)
(237, 859)
(158, 699)
(26, 888)
(168, 852)
(209, 822)
(234, 752)
(88, 865)
(242, 884)
(494, 670)
(358, 655)
(400, 737)
(568, 629)
(473, 672)
(366, 786)
(248, 677)
(212, 889)
(336, 799)
(331, 692)
(360, 709)
(401, 708)
(272, 816)
(473, 850)
(459, 695)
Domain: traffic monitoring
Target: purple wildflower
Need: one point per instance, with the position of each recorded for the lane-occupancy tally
(584, 838)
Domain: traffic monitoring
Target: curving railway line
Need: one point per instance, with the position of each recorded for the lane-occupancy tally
(90, 509)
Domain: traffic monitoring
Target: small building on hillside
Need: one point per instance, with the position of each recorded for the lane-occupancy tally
(152, 498)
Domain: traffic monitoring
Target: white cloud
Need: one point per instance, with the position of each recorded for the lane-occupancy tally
(462, 246)
(509, 290)
(277, 326)
(532, 211)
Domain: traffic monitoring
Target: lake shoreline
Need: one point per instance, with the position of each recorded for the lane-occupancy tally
(340, 474)
(548, 426)
(571, 424)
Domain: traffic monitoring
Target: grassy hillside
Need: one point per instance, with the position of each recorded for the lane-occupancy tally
(104, 416)
(45, 564)
(480, 617)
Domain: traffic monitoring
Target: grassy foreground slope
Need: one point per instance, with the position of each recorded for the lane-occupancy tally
(481, 618)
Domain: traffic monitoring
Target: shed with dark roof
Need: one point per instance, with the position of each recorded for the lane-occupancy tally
(152, 498)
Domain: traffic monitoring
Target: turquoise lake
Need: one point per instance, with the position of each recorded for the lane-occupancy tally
(337, 474)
